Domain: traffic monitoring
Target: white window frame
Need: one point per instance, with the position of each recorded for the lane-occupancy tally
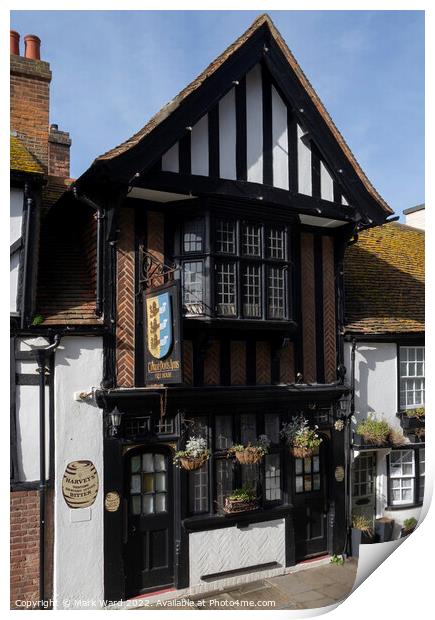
(396, 473)
(410, 378)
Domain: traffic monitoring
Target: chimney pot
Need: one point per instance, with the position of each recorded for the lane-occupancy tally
(32, 48)
(54, 127)
(15, 42)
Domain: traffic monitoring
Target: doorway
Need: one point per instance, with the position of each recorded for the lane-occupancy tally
(148, 550)
(363, 485)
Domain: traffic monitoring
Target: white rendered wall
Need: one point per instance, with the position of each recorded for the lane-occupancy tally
(416, 219)
(13, 281)
(227, 136)
(304, 165)
(254, 125)
(16, 218)
(199, 147)
(27, 416)
(170, 160)
(279, 141)
(78, 540)
(232, 548)
(375, 380)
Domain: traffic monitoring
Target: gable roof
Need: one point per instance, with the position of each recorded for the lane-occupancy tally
(262, 22)
(21, 159)
(384, 281)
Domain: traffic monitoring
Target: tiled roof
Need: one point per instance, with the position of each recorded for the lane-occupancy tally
(54, 189)
(22, 159)
(218, 62)
(384, 281)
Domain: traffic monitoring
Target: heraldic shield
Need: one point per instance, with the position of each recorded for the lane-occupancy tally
(159, 325)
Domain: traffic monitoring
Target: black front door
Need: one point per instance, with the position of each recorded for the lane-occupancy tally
(148, 557)
(310, 504)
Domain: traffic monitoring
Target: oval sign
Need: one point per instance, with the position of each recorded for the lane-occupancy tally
(80, 484)
(112, 501)
(339, 473)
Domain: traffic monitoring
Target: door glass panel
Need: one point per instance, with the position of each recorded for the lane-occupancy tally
(135, 484)
(307, 483)
(159, 462)
(299, 484)
(148, 483)
(161, 482)
(316, 482)
(135, 464)
(316, 464)
(161, 502)
(147, 462)
(135, 504)
(307, 465)
(148, 504)
(298, 465)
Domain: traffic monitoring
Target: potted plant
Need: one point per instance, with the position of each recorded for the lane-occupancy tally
(194, 455)
(251, 453)
(409, 526)
(384, 529)
(362, 533)
(241, 500)
(302, 440)
(412, 418)
(374, 431)
(396, 437)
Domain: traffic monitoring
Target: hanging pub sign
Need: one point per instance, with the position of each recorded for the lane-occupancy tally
(162, 335)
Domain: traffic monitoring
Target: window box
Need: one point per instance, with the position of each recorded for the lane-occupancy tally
(411, 422)
(233, 506)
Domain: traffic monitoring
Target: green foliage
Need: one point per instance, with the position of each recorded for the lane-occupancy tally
(415, 413)
(37, 319)
(409, 524)
(245, 494)
(374, 431)
(360, 522)
(338, 560)
(260, 446)
(298, 434)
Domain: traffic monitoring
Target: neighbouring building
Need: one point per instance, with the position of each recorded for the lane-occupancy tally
(385, 353)
(190, 282)
(415, 216)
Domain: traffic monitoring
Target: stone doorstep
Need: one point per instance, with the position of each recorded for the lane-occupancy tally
(192, 595)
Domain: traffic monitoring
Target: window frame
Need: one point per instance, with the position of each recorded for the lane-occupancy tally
(404, 378)
(211, 257)
(416, 478)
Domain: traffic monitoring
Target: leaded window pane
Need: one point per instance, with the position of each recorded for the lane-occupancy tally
(250, 476)
(224, 481)
(248, 428)
(272, 477)
(402, 472)
(193, 235)
(193, 287)
(198, 481)
(271, 427)
(226, 237)
(276, 292)
(421, 459)
(252, 291)
(223, 432)
(276, 243)
(226, 289)
(251, 240)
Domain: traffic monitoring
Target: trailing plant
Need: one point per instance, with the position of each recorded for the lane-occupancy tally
(409, 524)
(338, 560)
(298, 434)
(194, 455)
(37, 319)
(374, 431)
(360, 522)
(418, 413)
(396, 437)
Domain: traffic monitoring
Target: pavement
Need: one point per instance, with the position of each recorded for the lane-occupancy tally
(307, 588)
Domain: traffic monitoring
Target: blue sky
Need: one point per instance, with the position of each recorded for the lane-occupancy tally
(112, 70)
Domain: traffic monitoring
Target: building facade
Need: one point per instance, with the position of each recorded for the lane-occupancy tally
(203, 298)
(385, 352)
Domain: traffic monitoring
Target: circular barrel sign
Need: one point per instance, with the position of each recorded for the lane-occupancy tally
(80, 484)
(112, 501)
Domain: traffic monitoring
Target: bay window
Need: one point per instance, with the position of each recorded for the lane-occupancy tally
(235, 268)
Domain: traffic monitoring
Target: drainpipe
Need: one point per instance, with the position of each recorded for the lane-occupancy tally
(41, 359)
(349, 439)
(100, 216)
(29, 204)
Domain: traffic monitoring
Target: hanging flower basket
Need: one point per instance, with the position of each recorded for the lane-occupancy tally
(190, 463)
(300, 452)
(252, 453)
(194, 456)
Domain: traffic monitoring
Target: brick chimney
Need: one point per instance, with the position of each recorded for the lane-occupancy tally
(30, 106)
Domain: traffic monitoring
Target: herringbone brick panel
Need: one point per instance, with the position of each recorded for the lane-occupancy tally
(238, 362)
(329, 310)
(212, 364)
(287, 364)
(308, 307)
(156, 239)
(188, 362)
(263, 363)
(125, 315)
